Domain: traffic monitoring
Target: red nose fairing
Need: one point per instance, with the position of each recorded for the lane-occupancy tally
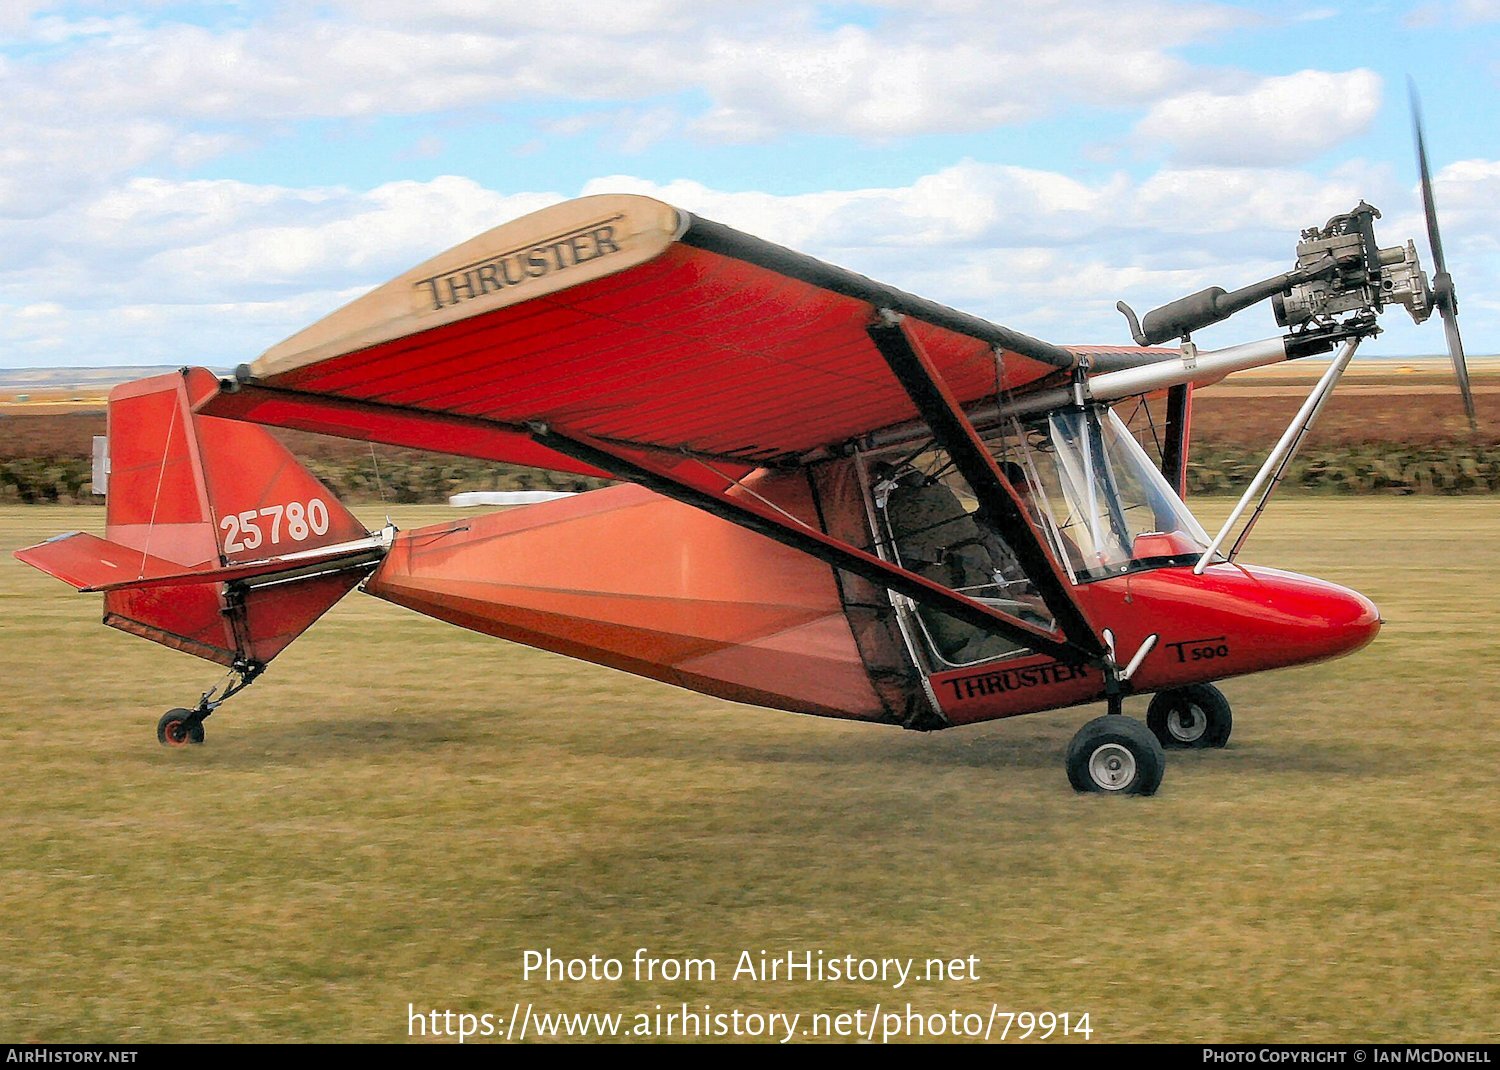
(1269, 618)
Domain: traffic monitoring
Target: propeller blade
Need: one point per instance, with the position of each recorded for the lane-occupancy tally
(1429, 206)
(1444, 296)
(1460, 369)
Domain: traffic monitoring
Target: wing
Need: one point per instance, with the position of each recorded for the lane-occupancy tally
(629, 321)
(619, 335)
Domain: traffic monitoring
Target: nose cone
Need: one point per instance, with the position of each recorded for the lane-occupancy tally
(1314, 620)
(1232, 620)
(1351, 620)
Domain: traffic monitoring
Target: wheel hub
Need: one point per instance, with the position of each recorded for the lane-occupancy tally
(1112, 767)
(1187, 724)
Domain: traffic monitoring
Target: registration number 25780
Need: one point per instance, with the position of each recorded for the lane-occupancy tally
(292, 522)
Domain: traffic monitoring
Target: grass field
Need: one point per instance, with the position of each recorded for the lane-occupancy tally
(400, 808)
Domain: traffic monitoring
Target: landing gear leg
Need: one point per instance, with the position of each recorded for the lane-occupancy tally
(1115, 754)
(180, 727)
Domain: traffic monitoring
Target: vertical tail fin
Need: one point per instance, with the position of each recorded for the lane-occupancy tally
(198, 495)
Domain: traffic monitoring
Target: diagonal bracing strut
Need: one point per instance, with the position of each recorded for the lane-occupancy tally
(641, 468)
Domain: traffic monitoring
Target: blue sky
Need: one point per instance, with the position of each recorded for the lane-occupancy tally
(191, 183)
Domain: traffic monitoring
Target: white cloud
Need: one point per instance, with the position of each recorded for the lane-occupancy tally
(217, 271)
(222, 240)
(367, 236)
(56, 30)
(1468, 208)
(925, 68)
(102, 113)
(105, 98)
(630, 130)
(45, 164)
(1462, 12)
(1241, 201)
(1276, 121)
(966, 205)
(607, 18)
(216, 335)
(16, 16)
(952, 67)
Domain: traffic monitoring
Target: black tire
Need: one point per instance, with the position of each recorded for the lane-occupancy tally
(172, 730)
(1195, 717)
(1116, 755)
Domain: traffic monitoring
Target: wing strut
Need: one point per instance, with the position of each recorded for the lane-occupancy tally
(751, 515)
(997, 499)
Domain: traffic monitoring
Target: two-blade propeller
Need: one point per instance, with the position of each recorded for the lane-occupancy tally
(1342, 279)
(1444, 299)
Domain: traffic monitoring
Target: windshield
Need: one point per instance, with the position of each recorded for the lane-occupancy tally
(1107, 508)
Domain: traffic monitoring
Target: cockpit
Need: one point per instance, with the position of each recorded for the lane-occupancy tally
(1089, 488)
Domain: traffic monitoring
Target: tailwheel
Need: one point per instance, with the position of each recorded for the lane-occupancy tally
(178, 728)
(1196, 716)
(1117, 756)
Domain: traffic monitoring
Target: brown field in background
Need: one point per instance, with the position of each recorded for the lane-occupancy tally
(1414, 402)
(71, 434)
(1393, 427)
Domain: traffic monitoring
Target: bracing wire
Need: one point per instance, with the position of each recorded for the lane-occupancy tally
(380, 484)
(161, 477)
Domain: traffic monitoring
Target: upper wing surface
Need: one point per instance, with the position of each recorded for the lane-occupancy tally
(628, 320)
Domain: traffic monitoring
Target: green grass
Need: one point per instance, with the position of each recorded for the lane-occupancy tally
(400, 808)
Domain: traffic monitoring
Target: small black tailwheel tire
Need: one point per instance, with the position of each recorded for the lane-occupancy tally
(1116, 755)
(173, 731)
(1193, 717)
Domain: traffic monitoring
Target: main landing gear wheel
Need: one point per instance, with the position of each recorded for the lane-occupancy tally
(173, 729)
(1196, 716)
(1117, 756)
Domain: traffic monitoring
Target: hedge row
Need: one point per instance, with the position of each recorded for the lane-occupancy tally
(67, 479)
(1215, 470)
(46, 479)
(1373, 468)
(434, 479)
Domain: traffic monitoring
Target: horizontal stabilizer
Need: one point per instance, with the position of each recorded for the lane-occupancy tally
(90, 563)
(289, 566)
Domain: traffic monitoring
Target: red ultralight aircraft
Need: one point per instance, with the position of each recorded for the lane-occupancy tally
(838, 499)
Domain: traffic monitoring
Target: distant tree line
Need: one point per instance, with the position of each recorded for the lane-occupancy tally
(1373, 468)
(46, 480)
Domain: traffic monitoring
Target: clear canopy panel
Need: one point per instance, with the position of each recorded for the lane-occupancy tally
(1106, 507)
